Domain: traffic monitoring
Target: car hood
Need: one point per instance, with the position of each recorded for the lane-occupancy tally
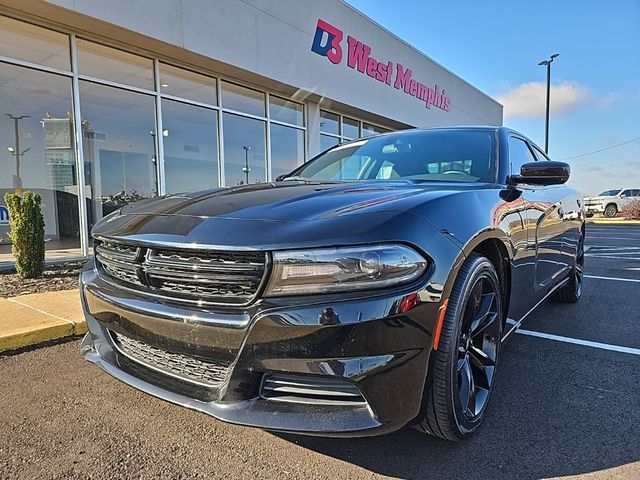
(597, 198)
(294, 201)
(280, 215)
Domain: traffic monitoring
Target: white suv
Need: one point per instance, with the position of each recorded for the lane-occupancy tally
(610, 202)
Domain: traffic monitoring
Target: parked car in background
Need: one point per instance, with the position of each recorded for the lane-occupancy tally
(610, 202)
(368, 290)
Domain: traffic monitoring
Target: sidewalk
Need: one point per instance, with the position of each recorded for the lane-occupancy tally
(39, 317)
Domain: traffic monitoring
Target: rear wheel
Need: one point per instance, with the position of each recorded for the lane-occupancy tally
(464, 366)
(611, 210)
(572, 291)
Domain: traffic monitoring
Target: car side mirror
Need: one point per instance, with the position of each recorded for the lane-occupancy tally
(542, 173)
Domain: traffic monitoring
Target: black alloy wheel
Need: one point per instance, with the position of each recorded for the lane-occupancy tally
(463, 370)
(478, 348)
(572, 290)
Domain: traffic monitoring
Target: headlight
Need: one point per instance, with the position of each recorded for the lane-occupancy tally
(326, 270)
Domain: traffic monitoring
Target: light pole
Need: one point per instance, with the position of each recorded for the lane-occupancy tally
(546, 123)
(246, 168)
(17, 184)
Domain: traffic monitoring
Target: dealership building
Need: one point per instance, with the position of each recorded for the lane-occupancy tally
(113, 101)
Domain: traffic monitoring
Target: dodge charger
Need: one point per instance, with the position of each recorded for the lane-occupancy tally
(368, 290)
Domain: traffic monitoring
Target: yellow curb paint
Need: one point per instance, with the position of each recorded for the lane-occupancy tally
(30, 319)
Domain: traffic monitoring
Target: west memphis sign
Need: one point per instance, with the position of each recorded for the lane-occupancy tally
(327, 42)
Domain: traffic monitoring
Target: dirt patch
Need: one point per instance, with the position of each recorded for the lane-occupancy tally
(56, 277)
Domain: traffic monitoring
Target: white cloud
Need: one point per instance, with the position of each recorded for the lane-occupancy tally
(529, 99)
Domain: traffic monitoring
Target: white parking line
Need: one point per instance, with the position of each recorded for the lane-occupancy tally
(577, 341)
(617, 279)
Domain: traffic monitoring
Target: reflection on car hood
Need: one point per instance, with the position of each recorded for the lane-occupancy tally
(292, 201)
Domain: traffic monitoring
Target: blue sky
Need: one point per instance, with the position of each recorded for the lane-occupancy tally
(496, 46)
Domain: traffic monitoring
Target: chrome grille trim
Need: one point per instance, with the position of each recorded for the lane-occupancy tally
(210, 277)
(310, 389)
(184, 367)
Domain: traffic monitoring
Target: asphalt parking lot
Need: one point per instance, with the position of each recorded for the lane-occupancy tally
(566, 404)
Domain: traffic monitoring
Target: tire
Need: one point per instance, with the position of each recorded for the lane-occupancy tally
(610, 210)
(572, 291)
(455, 371)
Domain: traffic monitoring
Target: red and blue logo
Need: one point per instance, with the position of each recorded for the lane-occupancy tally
(326, 42)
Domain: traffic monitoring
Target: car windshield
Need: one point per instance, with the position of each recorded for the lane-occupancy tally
(425, 155)
(609, 193)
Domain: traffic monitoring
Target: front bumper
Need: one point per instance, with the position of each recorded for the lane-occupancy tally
(594, 207)
(370, 343)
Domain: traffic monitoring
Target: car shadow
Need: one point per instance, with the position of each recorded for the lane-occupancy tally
(545, 420)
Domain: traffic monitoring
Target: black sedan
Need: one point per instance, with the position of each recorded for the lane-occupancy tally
(368, 290)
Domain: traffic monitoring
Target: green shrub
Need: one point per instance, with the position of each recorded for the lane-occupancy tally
(27, 232)
(632, 211)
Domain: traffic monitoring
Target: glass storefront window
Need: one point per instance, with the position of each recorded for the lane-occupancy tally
(286, 111)
(38, 154)
(243, 165)
(190, 136)
(350, 128)
(329, 122)
(368, 130)
(34, 44)
(107, 63)
(287, 149)
(119, 147)
(186, 84)
(326, 142)
(242, 99)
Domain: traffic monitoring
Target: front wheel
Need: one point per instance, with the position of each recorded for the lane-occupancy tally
(611, 211)
(464, 365)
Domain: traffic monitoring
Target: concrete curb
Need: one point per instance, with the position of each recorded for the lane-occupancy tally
(28, 320)
(612, 221)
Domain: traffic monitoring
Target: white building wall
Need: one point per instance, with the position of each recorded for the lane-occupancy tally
(273, 39)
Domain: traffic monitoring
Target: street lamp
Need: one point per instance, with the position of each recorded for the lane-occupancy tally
(246, 168)
(15, 151)
(546, 123)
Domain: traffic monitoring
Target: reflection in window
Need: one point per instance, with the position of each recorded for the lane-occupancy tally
(190, 136)
(287, 149)
(36, 135)
(34, 44)
(327, 142)
(108, 63)
(183, 83)
(368, 130)
(244, 150)
(241, 99)
(286, 111)
(350, 128)
(119, 147)
(329, 122)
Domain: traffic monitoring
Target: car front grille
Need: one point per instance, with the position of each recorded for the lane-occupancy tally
(184, 275)
(186, 367)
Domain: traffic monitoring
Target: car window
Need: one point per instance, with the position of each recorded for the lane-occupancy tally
(626, 193)
(519, 154)
(456, 155)
(541, 156)
(609, 193)
(636, 192)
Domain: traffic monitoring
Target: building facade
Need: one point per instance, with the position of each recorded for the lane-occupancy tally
(111, 102)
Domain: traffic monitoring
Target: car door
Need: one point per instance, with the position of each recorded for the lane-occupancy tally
(570, 213)
(545, 228)
(626, 197)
